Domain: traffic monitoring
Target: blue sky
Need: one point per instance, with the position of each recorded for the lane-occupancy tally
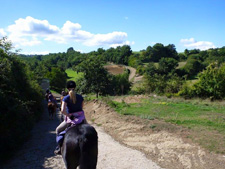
(52, 26)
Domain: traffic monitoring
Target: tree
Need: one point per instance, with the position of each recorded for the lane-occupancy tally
(211, 82)
(193, 67)
(121, 84)
(57, 79)
(167, 65)
(97, 79)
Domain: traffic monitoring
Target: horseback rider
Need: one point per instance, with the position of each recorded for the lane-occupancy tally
(72, 108)
(50, 98)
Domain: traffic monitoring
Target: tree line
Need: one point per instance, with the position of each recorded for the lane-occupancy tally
(158, 64)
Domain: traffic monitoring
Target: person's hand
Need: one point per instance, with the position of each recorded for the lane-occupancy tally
(72, 117)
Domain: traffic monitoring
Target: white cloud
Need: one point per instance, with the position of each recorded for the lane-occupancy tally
(192, 43)
(30, 26)
(2, 33)
(36, 53)
(106, 39)
(125, 43)
(31, 31)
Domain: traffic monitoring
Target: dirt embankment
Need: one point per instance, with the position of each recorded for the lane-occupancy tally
(169, 148)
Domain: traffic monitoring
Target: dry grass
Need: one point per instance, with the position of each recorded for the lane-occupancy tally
(114, 69)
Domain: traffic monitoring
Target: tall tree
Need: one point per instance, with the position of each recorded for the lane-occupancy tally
(96, 76)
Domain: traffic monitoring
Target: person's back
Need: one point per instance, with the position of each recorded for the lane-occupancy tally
(72, 108)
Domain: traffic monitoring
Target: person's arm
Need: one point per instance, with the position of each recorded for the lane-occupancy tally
(63, 109)
(82, 105)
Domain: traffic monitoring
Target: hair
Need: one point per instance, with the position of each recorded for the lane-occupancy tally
(71, 85)
(72, 94)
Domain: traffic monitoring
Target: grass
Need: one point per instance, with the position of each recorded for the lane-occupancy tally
(72, 75)
(205, 120)
(191, 82)
(181, 65)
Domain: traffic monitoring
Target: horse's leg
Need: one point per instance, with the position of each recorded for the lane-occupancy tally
(49, 113)
(54, 112)
(70, 154)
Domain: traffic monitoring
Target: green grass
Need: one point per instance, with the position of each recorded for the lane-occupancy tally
(181, 65)
(187, 114)
(72, 75)
(191, 82)
(204, 120)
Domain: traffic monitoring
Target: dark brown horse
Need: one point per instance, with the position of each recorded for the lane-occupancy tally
(51, 109)
(80, 147)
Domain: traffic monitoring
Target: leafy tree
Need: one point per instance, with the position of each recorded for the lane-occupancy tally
(193, 67)
(151, 69)
(134, 60)
(97, 79)
(57, 79)
(167, 65)
(121, 84)
(211, 82)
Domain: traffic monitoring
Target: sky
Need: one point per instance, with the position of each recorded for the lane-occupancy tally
(52, 26)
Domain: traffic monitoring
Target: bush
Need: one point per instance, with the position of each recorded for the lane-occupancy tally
(211, 82)
(21, 103)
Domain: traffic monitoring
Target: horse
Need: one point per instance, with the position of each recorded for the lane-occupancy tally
(80, 147)
(51, 109)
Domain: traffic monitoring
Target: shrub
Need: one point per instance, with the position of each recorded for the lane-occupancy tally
(211, 82)
(21, 102)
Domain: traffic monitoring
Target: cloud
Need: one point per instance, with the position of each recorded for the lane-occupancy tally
(192, 43)
(106, 39)
(125, 43)
(31, 31)
(126, 18)
(2, 33)
(36, 53)
(30, 26)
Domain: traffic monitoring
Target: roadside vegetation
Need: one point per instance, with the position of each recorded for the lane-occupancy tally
(20, 101)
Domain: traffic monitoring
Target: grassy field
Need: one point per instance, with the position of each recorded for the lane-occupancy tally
(205, 120)
(72, 75)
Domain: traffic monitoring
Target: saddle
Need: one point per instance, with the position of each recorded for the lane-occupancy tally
(76, 118)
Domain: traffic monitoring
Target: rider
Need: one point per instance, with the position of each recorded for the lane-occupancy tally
(63, 94)
(71, 104)
(50, 98)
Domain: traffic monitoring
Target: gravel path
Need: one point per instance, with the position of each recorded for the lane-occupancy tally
(37, 153)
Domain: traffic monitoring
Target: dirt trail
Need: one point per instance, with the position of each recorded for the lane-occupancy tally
(38, 151)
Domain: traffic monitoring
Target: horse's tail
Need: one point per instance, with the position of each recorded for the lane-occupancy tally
(88, 143)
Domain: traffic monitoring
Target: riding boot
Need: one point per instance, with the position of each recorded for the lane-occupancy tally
(57, 150)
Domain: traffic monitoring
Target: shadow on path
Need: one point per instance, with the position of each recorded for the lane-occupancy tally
(39, 147)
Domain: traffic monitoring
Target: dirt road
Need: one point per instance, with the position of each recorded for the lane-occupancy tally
(38, 151)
